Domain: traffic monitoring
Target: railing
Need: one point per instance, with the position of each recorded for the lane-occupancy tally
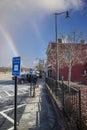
(70, 99)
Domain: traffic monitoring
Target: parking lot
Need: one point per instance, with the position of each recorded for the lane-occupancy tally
(7, 103)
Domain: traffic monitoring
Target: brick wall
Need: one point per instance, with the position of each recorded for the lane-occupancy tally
(78, 60)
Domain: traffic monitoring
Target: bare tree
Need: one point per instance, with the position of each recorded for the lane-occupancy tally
(71, 54)
(74, 37)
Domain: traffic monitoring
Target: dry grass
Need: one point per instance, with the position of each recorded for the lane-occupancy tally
(7, 75)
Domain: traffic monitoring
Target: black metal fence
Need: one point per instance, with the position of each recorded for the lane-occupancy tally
(70, 100)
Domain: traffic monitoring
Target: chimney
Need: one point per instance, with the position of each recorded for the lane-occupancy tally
(60, 40)
(82, 41)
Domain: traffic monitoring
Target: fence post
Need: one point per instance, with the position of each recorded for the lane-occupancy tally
(63, 95)
(80, 113)
(56, 90)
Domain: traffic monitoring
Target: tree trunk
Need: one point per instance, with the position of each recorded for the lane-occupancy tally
(69, 76)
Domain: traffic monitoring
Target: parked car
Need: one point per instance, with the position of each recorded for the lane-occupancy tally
(21, 79)
(39, 74)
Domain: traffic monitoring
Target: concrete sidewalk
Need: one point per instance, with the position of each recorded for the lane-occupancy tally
(39, 113)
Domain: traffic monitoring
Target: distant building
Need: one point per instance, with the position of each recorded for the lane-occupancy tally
(72, 59)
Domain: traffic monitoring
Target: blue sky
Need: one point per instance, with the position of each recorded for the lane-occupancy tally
(31, 26)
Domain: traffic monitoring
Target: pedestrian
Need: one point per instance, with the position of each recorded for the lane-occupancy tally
(29, 79)
(34, 81)
(30, 82)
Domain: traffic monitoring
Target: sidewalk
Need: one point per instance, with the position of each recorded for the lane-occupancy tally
(39, 113)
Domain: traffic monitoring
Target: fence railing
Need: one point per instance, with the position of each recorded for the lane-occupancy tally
(70, 99)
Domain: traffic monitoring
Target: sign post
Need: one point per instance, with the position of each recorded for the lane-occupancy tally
(15, 105)
(15, 72)
(31, 71)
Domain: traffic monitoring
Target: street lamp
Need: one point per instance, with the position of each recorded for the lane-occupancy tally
(57, 60)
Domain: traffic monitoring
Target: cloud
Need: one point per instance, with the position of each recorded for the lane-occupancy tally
(13, 14)
(32, 6)
(14, 11)
(75, 4)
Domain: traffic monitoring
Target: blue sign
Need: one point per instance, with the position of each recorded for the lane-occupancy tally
(30, 70)
(16, 66)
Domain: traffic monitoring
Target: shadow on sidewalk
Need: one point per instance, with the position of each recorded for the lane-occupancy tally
(46, 117)
(40, 113)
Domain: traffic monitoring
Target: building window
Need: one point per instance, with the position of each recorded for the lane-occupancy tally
(67, 56)
(49, 70)
(85, 72)
(49, 73)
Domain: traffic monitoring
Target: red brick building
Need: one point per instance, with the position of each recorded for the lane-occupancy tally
(72, 59)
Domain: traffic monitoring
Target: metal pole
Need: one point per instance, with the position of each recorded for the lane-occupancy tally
(57, 50)
(15, 105)
(80, 113)
(57, 73)
(63, 103)
(57, 76)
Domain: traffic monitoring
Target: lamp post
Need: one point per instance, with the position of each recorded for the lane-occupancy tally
(57, 60)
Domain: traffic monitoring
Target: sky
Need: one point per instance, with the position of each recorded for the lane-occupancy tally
(27, 27)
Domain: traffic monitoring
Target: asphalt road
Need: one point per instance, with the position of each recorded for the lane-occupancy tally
(7, 103)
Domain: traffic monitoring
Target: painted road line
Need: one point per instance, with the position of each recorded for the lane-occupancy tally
(20, 90)
(7, 93)
(7, 117)
(21, 105)
(24, 88)
(9, 109)
(23, 91)
(12, 128)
